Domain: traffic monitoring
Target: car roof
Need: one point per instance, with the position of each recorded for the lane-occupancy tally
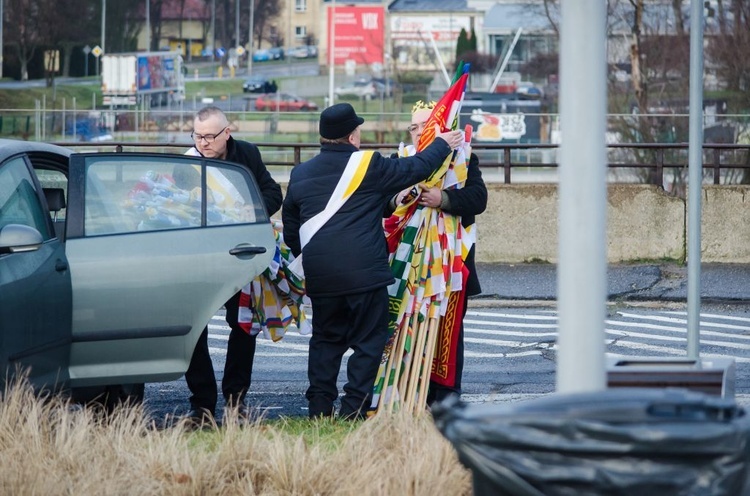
(9, 147)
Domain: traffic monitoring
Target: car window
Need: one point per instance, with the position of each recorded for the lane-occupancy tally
(19, 199)
(124, 195)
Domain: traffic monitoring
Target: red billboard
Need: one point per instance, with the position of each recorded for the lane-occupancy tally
(359, 33)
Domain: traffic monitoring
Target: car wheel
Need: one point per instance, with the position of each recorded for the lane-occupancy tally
(109, 397)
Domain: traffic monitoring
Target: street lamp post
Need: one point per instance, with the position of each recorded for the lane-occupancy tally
(1, 37)
(213, 29)
(104, 27)
(148, 25)
(249, 38)
(331, 52)
(236, 23)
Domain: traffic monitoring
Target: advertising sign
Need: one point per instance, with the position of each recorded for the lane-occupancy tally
(440, 28)
(157, 72)
(359, 33)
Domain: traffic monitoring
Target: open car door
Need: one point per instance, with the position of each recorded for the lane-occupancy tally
(156, 244)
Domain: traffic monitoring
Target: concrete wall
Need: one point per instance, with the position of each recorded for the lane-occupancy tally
(643, 223)
(725, 227)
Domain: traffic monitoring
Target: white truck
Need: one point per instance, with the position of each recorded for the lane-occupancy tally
(129, 78)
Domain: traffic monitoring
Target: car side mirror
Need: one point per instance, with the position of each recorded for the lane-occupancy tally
(16, 238)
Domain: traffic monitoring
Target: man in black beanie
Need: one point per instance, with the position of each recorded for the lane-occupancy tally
(332, 214)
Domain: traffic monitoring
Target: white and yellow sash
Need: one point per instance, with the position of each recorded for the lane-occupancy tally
(350, 180)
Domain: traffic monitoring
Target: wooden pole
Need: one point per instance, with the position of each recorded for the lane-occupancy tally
(415, 366)
(394, 360)
(424, 381)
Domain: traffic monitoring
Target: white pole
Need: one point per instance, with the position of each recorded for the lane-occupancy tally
(2, 17)
(582, 267)
(148, 25)
(250, 38)
(695, 179)
(213, 29)
(331, 52)
(236, 23)
(440, 60)
(104, 27)
(505, 61)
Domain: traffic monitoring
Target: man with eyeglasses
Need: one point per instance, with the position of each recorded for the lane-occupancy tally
(213, 139)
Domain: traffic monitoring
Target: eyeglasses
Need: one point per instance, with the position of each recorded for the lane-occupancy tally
(210, 138)
(416, 127)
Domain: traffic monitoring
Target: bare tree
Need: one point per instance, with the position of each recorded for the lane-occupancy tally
(124, 22)
(266, 12)
(70, 24)
(25, 32)
(155, 22)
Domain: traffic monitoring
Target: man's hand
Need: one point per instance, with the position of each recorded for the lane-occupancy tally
(430, 197)
(453, 138)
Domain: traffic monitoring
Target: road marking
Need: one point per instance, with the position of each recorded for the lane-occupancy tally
(703, 323)
(511, 315)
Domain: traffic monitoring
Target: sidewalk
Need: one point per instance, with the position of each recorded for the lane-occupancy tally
(720, 283)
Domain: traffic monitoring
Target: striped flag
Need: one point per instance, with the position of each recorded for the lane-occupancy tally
(427, 249)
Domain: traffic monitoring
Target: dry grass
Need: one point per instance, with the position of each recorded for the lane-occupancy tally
(47, 447)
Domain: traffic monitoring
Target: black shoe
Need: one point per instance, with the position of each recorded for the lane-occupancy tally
(199, 418)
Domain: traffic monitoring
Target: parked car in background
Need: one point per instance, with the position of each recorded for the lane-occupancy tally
(261, 55)
(257, 84)
(283, 102)
(303, 51)
(365, 88)
(362, 88)
(277, 53)
(100, 262)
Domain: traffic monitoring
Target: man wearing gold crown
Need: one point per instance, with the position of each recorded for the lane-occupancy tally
(466, 201)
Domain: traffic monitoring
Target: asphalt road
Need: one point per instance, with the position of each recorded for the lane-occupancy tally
(510, 354)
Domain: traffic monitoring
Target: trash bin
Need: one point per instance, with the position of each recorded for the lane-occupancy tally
(629, 441)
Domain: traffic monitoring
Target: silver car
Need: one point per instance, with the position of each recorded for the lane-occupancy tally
(111, 264)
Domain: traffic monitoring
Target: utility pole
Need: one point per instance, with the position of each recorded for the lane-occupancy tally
(236, 23)
(2, 16)
(104, 27)
(331, 52)
(148, 25)
(249, 38)
(213, 29)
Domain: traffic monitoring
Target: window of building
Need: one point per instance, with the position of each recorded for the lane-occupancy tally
(300, 5)
(300, 32)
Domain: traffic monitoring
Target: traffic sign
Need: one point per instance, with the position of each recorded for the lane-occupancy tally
(87, 49)
(240, 51)
(97, 51)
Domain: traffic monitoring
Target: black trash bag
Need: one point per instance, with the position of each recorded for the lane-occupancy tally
(615, 442)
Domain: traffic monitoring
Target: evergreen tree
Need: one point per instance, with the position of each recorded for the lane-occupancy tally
(462, 44)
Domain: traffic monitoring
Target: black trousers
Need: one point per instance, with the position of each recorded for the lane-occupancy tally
(237, 370)
(438, 392)
(357, 321)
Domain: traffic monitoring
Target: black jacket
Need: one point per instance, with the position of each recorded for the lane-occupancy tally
(467, 202)
(247, 154)
(348, 255)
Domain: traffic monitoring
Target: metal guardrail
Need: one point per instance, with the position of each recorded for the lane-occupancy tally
(653, 157)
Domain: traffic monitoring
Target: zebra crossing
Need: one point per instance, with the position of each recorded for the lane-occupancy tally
(517, 333)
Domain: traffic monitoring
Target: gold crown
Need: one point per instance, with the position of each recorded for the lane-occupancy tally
(420, 105)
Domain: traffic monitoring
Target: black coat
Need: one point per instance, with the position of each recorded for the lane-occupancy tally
(467, 202)
(247, 154)
(348, 255)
